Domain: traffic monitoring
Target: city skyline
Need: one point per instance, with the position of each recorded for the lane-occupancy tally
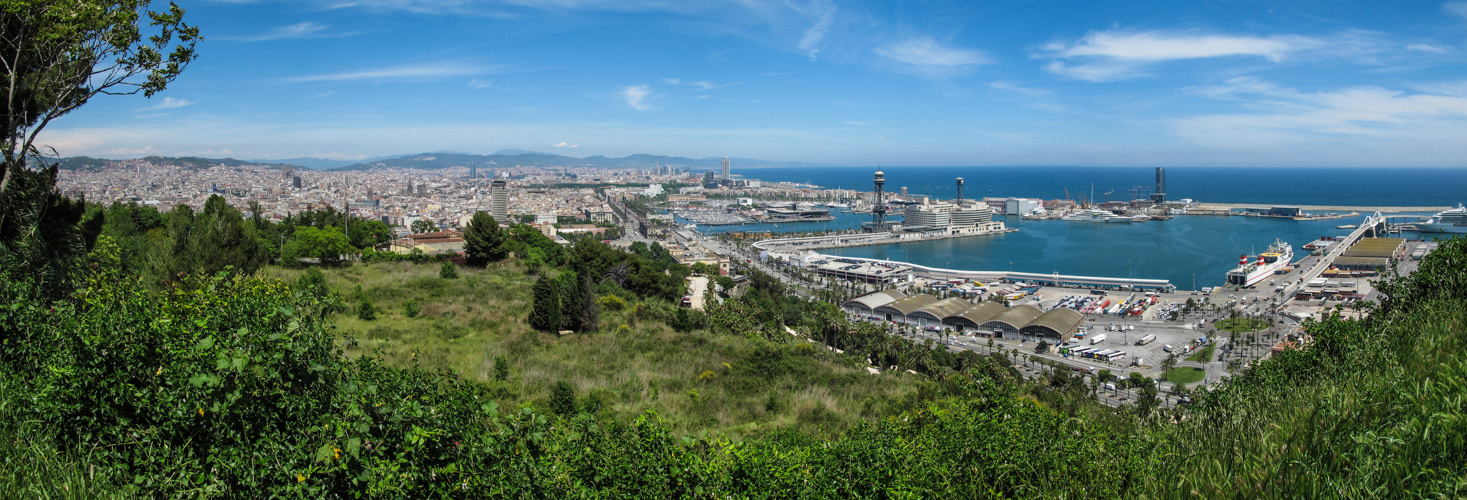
(821, 82)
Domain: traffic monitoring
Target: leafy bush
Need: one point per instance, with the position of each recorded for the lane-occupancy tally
(448, 271)
(501, 368)
(563, 399)
(366, 311)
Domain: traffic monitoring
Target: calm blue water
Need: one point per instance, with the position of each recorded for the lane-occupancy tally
(1174, 250)
(1291, 185)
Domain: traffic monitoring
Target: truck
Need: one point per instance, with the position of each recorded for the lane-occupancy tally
(1146, 340)
(1097, 339)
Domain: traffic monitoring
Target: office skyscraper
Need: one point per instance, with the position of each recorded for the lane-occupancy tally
(725, 168)
(499, 201)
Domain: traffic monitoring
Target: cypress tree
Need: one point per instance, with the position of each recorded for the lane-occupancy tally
(570, 301)
(545, 312)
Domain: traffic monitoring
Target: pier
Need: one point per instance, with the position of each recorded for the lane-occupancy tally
(1054, 279)
(1374, 225)
(874, 238)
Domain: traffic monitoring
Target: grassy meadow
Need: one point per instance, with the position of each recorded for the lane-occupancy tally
(734, 385)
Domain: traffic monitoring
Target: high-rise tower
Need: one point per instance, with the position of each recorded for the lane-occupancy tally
(725, 169)
(1159, 195)
(960, 190)
(499, 201)
(878, 212)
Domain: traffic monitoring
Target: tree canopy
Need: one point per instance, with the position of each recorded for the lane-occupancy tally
(483, 240)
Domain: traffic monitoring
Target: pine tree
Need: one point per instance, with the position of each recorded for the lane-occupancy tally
(545, 312)
(483, 240)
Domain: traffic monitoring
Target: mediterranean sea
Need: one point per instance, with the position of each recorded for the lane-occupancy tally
(1180, 250)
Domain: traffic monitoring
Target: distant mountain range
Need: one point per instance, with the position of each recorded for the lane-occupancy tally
(511, 158)
(445, 159)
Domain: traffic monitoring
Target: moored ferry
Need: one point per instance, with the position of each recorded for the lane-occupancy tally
(1252, 271)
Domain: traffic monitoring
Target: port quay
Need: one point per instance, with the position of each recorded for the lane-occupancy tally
(1299, 286)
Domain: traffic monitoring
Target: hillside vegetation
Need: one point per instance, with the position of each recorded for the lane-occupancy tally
(234, 384)
(632, 362)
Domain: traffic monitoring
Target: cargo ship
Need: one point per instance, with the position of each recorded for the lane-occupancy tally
(1251, 272)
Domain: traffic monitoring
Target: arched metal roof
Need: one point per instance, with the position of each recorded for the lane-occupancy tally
(1060, 322)
(941, 309)
(910, 305)
(873, 300)
(978, 314)
(1017, 317)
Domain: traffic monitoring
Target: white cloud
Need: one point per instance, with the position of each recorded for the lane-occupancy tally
(415, 71)
(636, 95)
(564, 145)
(1118, 55)
(1426, 48)
(824, 11)
(292, 32)
(1357, 117)
(1155, 46)
(1457, 8)
(477, 84)
(169, 103)
(926, 52)
(701, 85)
(323, 94)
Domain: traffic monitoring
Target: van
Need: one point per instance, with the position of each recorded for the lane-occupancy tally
(1109, 386)
(1167, 348)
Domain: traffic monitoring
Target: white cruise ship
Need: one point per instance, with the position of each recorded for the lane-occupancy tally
(1096, 215)
(1450, 221)
(1278, 255)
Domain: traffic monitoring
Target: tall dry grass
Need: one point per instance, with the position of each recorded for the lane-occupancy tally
(465, 323)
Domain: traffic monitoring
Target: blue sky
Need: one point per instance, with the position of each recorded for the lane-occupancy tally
(822, 81)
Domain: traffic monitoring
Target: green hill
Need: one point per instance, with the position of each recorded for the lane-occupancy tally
(228, 385)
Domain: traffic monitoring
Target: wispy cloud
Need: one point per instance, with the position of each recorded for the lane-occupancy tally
(292, 32)
(1119, 55)
(323, 94)
(700, 85)
(636, 97)
(926, 56)
(168, 103)
(564, 145)
(414, 71)
(477, 84)
(824, 14)
(1277, 115)
(1027, 96)
(1456, 8)
(1426, 48)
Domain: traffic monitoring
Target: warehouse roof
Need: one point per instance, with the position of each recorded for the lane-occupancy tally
(945, 307)
(980, 313)
(911, 304)
(1017, 316)
(875, 299)
(1060, 320)
(1376, 247)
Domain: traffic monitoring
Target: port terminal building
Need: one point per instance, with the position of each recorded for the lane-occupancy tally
(985, 319)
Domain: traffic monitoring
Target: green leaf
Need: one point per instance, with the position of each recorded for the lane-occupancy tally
(354, 446)
(206, 343)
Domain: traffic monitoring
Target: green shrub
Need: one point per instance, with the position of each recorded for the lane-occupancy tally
(448, 270)
(411, 308)
(366, 311)
(501, 368)
(563, 399)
